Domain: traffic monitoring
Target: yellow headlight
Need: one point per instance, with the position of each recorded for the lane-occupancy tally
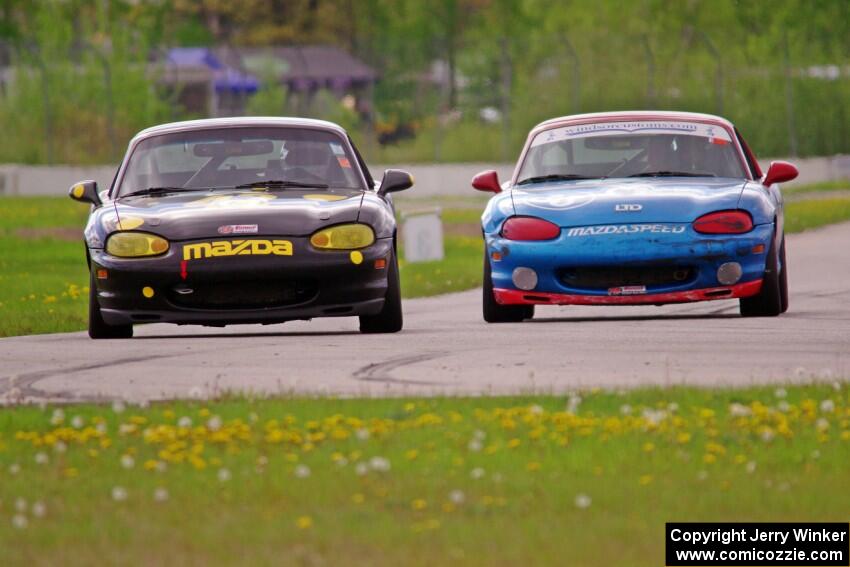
(343, 237)
(136, 244)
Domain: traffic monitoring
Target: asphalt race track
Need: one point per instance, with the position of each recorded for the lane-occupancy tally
(446, 348)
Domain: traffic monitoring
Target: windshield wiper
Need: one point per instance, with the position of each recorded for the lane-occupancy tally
(554, 177)
(279, 183)
(673, 174)
(161, 191)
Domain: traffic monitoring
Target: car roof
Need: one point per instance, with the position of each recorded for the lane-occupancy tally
(234, 122)
(632, 115)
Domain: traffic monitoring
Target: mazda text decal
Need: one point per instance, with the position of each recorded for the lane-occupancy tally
(627, 229)
(237, 248)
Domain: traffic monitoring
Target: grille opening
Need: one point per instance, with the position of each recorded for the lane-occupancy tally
(145, 317)
(337, 310)
(605, 277)
(535, 298)
(246, 294)
(718, 293)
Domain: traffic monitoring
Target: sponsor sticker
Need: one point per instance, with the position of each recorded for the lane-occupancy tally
(632, 127)
(337, 149)
(343, 162)
(238, 229)
(627, 290)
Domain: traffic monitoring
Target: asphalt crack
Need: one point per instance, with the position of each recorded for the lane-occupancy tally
(381, 371)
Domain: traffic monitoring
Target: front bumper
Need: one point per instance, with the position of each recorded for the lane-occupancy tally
(560, 263)
(238, 288)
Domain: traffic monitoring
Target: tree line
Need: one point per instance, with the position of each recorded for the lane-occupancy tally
(465, 78)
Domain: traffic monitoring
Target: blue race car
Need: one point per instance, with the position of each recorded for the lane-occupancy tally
(634, 208)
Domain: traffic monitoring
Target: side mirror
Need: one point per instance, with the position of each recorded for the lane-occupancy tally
(85, 192)
(779, 172)
(487, 181)
(395, 180)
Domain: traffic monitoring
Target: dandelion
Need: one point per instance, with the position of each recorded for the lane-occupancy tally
(827, 406)
(822, 424)
(160, 494)
(39, 510)
(783, 406)
(418, 504)
(479, 435)
(780, 393)
(362, 434)
(411, 455)
(57, 417)
(672, 407)
(835, 385)
(457, 497)
(816, 454)
(474, 445)
(645, 479)
(648, 447)
(476, 473)
(751, 467)
(127, 461)
(739, 410)
(185, 422)
(214, 423)
(41, 458)
(119, 494)
(118, 406)
(304, 522)
(21, 505)
(582, 501)
(535, 409)
(223, 475)
(573, 403)
(767, 435)
(533, 466)
(358, 498)
(379, 464)
(14, 469)
(196, 393)
(302, 471)
(77, 422)
(702, 475)
(20, 521)
(361, 469)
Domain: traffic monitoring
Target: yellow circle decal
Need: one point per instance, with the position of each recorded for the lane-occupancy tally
(356, 257)
(147, 292)
(78, 191)
(129, 223)
(325, 197)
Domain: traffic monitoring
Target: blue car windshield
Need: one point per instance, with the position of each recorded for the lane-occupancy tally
(631, 149)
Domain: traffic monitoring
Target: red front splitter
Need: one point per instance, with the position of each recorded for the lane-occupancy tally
(517, 297)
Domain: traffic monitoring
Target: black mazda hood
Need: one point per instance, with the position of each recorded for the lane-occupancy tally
(194, 215)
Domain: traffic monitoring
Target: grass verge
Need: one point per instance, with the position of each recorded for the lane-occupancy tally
(43, 277)
(587, 479)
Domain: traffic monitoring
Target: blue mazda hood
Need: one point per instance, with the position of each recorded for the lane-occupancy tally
(617, 201)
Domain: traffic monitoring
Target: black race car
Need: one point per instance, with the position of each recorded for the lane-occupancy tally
(242, 220)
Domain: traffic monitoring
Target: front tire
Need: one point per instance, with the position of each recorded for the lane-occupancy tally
(495, 313)
(98, 328)
(772, 300)
(390, 318)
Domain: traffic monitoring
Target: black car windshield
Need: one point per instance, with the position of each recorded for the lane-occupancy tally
(631, 149)
(229, 157)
